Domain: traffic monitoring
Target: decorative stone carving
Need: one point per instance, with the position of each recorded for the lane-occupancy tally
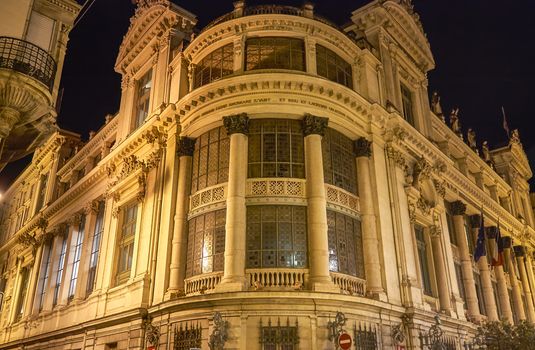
(436, 107)
(471, 139)
(363, 148)
(115, 212)
(424, 206)
(454, 121)
(440, 168)
(515, 137)
(313, 125)
(110, 170)
(435, 231)
(152, 333)
(27, 240)
(507, 242)
(42, 223)
(475, 221)
(440, 187)
(397, 334)
(186, 147)
(458, 208)
(130, 164)
(219, 334)
(75, 220)
(519, 251)
(237, 124)
(396, 156)
(153, 159)
(420, 171)
(91, 207)
(412, 212)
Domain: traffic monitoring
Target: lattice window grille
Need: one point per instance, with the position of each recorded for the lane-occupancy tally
(443, 343)
(187, 337)
(365, 337)
(279, 337)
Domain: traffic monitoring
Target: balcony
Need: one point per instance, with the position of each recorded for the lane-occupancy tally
(28, 59)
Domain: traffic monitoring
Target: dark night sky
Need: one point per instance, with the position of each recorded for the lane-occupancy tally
(483, 50)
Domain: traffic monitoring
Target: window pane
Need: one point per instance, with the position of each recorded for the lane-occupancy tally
(339, 166)
(214, 66)
(333, 67)
(279, 53)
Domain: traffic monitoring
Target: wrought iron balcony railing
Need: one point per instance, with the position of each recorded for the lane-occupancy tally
(27, 58)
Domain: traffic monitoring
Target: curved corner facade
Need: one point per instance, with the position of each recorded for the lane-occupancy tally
(272, 182)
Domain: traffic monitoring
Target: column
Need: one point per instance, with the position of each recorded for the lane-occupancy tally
(517, 297)
(486, 282)
(318, 244)
(177, 273)
(503, 293)
(529, 268)
(32, 283)
(440, 270)
(520, 254)
(234, 271)
(91, 212)
(370, 242)
(458, 209)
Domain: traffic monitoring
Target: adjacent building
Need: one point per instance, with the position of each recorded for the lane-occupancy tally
(33, 42)
(271, 181)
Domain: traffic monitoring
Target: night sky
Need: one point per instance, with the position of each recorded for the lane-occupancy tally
(484, 52)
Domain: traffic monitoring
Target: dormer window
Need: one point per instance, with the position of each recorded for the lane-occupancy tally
(408, 105)
(143, 88)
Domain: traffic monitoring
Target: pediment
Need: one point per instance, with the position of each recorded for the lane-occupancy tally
(520, 160)
(152, 19)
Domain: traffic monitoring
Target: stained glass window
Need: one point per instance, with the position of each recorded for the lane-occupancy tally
(206, 243)
(210, 159)
(333, 67)
(214, 66)
(276, 148)
(276, 236)
(345, 244)
(275, 52)
(339, 168)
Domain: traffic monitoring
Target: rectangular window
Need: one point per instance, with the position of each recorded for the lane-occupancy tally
(95, 248)
(408, 106)
(459, 276)
(45, 272)
(77, 255)
(143, 89)
(41, 193)
(126, 242)
(40, 30)
(214, 66)
(25, 276)
(60, 267)
(423, 259)
(333, 67)
(275, 53)
(479, 293)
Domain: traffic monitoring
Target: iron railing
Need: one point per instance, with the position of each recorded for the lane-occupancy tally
(28, 59)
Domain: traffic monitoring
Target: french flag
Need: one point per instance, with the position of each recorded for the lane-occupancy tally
(496, 249)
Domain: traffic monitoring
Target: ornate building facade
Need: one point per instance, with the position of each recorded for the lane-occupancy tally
(271, 181)
(33, 42)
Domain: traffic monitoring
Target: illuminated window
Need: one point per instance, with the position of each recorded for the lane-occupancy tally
(276, 236)
(45, 274)
(333, 67)
(143, 89)
(408, 105)
(345, 244)
(77, 255)
(60, 267)
(210, 159)
(214, 66)
(24, 279)
(126, 242)
(275, 53)
(206, 243)
(95, 248)
(339, 168)
(423, 257)
(276, 148)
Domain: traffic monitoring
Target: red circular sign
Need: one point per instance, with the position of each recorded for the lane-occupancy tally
(344, 341)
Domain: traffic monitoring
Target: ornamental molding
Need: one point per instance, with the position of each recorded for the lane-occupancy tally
(227, 30)
(271, 89)
(152, 20)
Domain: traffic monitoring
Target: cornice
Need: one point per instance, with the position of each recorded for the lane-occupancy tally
(272, 22)
(89, 147)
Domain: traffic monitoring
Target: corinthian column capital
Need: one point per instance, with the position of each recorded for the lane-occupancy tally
(186, 146)
(237, 124)
(363, 148)
(313, 125)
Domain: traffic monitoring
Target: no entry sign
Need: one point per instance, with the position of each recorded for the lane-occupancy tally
(344, 341)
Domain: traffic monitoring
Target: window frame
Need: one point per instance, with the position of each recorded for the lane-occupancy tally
(260, 46)
(201, 66)
(122, 274)
(78, 244)
(143, 100)
(60, 267)
(408, 104)
(96, 241)
(337, 65)
(427, 281)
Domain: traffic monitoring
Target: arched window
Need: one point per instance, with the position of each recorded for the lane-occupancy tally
(214, 66)
(339, 167)
(210, 159)
(276, 236)
(345, 244)
(276, 148)
(333, 67)
(206, 243)
(275, 53)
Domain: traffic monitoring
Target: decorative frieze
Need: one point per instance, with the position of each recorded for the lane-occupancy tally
(237, 124)
(363, 148)
(313, 125)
